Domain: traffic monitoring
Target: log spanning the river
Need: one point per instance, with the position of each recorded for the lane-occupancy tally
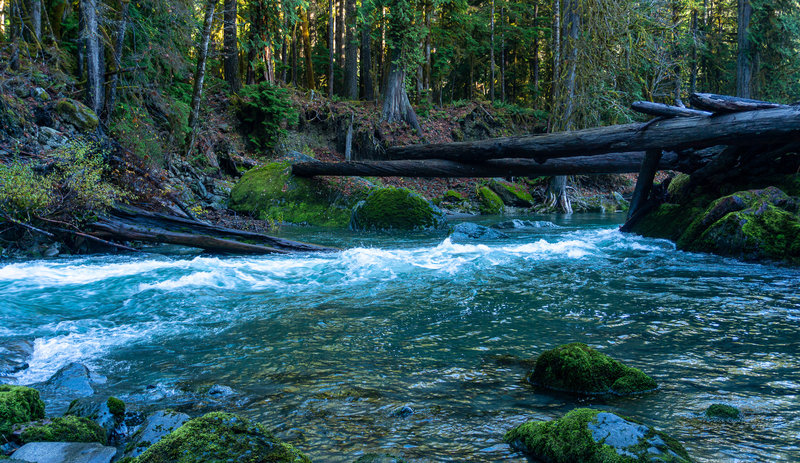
(729, 104)
(746, 128)
(665, 110)
(617, 163)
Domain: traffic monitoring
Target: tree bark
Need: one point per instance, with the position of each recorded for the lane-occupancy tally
(331, 46)
(396, 105)
(36, 19)
(304, 31)
(745, 128)
(615, 163)
(663, 110)
(351, 53)
(503, 57)
(491, 57)
(200, 73)
(729, 104)
(231, 44)
(744, 58)
(112, 84)
(340, 34)
(94, 71)
(645, 181)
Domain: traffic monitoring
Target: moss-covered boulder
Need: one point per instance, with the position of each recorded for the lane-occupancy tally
(221, 437)
(511, 194)
(18, 404)
(77, 114)
(64, 429)
(595, 436)
(489, 202)
(271, 192)
(722, 412)
(579, 369)
(395, 209)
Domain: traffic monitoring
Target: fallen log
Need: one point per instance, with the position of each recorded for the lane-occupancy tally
(747, 128)
(119, 230)
(665, 110)
(142, 218)
(617, 163)
(729, 104)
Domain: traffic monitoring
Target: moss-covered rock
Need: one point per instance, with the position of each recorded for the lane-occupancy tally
(679, 189)
(594, 436)
(488, 201)
(116, 407)
(395, 208)
(453, 196)
(271, 192)
(723, 412)
(511, 194)
(219, 437)
(77, 114)
(64, 429)
(577, 368)
(18, 404)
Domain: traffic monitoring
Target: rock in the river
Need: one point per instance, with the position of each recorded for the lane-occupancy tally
(473, 231)
(221, 436)
(577, 368)
(77, 114)
(73, 380)
(63, 429)
(380, 458)
(520, 224)
(108, 414)
(65, 452)
(18, 404)
(594, 436)
(488, 201)
(395, 209)
(723, 412)
(271, 192)
(154, 428)
(14, 356)
(511, 194)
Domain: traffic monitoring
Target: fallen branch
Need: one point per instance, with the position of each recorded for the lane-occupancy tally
(665, 110)
(729, 104)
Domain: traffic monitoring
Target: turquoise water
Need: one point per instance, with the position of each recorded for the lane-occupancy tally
(328, 349)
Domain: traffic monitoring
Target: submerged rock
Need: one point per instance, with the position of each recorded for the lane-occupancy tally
(65, 452)
(18, 404)
(221, 436)
(594, 436)
(14, 356)
(520, 224)
(73, 380)
(577, 368)
(63, 429)
(109, 414)
(395, 209)
(271, 192)
(473, 231)
(723, 412)
(380, 458)
(154, 428)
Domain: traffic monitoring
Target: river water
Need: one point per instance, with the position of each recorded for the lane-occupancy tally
(391, 344)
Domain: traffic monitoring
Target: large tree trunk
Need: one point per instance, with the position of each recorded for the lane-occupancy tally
(112, 84)
(304, 31)
(340, 34)
(200, 73)
(351, 53)
(744, 58)
(396, 106)
(36, 19)
(94, 70)
(366, 64)
(331, 46)
(231, 44)
(616, 163)
(745, 128)
(491, 57)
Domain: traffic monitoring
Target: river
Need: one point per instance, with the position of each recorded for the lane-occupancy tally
(391, 343)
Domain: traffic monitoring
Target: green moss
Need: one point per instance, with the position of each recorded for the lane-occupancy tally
(512, 194)
(668, 221)
(569, 439)
(679, 189)
(78, 114)
(578, 368)
(395, 208)
(271, 192)
(18, 404)
(65, 429)
(488, 201)
(453, 196)
(219, 437)
(722, 411)
(116, 407)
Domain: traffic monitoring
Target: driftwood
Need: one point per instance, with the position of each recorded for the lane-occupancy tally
(665, 110)
(747, 128)
(616, 163)
(729, 104)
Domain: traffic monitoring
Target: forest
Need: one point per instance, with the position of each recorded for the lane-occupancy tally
(393, 231)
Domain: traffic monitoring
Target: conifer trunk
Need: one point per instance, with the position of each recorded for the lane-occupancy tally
(744, 58)
(200, 73)
(351, 53)
(230, 42)
(304, 31)
(94, 71)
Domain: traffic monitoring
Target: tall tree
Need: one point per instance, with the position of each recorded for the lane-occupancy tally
(94, 68)
(491, 56)
(366, 64)
(403, 38)
(744, 59)
(200, 73)
(231, 45)
(306, 35)
(119, 43)
(351, 52)
(331, 46)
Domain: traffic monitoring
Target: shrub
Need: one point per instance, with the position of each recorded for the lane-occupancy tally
(263, 108)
